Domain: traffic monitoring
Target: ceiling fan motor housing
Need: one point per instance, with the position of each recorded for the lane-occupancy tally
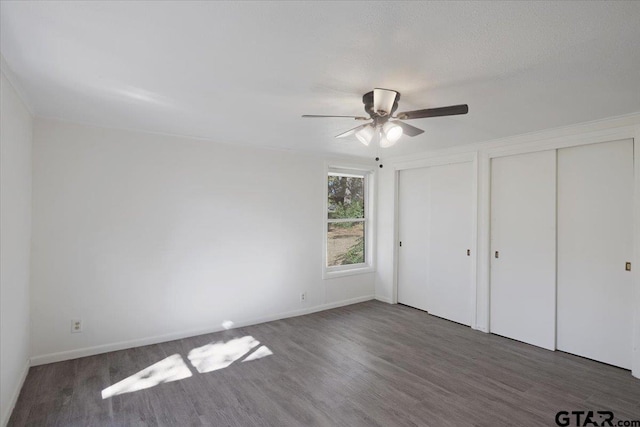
(380, 117)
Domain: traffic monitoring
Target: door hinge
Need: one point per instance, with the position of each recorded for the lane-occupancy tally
(497, 255)
(627, 266)
(468, 252)
(401, 244)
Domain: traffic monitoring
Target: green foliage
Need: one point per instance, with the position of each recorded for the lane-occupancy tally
(351, 210)
(345, 197)
(355, 254)
(346, 200)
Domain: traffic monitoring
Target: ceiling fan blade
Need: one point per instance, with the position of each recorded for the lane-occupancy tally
(313, 116)
(434, 112)
(352, 131)
(408, 129)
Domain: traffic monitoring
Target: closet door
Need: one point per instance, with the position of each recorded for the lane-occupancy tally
(523, 243)
(595, 219)
(413, 223)
(450, 236)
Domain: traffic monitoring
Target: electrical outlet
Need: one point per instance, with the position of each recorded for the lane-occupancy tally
(76, 326)
(303, 297)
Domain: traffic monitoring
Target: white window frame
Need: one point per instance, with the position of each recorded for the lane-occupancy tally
(369, 225)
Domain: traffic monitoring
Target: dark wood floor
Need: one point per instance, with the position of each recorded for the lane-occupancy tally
(369, 364)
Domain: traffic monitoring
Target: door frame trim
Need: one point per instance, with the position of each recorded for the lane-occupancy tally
(635, 361)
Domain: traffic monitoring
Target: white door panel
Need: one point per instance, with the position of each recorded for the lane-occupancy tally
(595, 219)
(523, 231)
(450, 236)
(413, 221)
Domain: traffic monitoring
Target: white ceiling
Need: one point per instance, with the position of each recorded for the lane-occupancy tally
(244, 72)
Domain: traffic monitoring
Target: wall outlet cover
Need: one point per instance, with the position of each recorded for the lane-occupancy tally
(76, 326)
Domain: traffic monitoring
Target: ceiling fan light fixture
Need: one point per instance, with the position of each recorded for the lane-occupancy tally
(366, 134)
(383, 100)
(385, 142)
(392, 132)
(385, 128)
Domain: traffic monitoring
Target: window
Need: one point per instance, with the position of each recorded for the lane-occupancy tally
(348, 226)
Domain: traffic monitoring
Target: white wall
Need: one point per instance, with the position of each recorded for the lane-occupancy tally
(592, 132)
(147, 237)
(15, 242)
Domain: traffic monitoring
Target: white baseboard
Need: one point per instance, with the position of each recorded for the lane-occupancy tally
(105, 348)
(384, 299)
(16, 393)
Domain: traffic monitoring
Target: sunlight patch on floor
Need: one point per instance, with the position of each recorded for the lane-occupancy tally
(208, 358)
(227, 324)
(262, 351)
(219, 355)
(173, 368)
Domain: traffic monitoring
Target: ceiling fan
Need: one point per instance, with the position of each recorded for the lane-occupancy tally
(380, 104)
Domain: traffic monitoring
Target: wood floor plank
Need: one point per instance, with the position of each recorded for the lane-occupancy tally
(368, 364)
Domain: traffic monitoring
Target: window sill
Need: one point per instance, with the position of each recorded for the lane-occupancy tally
(333, 274)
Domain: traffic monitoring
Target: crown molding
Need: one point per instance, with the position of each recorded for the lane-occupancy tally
(13, 80)
(612, 127)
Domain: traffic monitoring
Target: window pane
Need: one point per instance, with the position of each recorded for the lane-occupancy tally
(346, 197)
(345, 243)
